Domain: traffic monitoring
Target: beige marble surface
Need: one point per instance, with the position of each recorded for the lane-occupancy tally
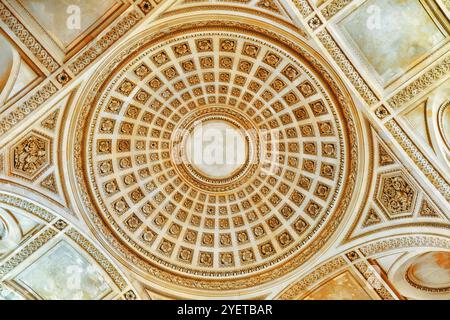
(62, 273)
(392, 34)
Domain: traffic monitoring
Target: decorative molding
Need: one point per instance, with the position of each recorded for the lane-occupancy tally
(14, 117)
(422, 83)
(419, 159)
(50, 121)
(268, 5)
(31, 156)
(314, 22)
(370, 275)
(106, 41)
(49, 183)
(404, 242)
(27, 38)
(412, 283)
(349, 70)
(395, 194)
(27, 206)
(27, 251)
(49, 233)
(303, 6)
(130, 295)
(295, 290)
(334, 7)
(381, 112)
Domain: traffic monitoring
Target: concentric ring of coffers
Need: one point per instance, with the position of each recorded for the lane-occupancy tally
(173, 226)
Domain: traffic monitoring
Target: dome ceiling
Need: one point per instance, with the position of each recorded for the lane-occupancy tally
(218, 149)
(279, 206)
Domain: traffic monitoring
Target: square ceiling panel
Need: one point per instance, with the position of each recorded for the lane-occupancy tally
(63, 273)
(391, 36)
(67, 21)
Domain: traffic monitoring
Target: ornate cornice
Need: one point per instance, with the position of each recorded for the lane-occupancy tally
(303, 6)
(419, 159)
(323, 271)
(433, 75)
(16, 116)
(94, 50)
(334, 7)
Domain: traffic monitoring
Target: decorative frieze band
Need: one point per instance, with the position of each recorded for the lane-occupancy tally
(27, 251)
(314, 277)
(404, 242)
(27, 39)
(25, 205)
(106, 41)
(419, 159)
(425, 81)
(368, 274)
(10, 120)
(303, 6)
(334, 7)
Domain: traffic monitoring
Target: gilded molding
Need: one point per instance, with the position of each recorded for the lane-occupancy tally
(421, 287)
(27, 206)
(425, 81)
(101, 45)
(303, 6)
(349, 70)
(27, 39)
(411, 241)
(27, 251)
(14, 117)
(419, 159)
(378, 286)
(295, 290)
(334, 7)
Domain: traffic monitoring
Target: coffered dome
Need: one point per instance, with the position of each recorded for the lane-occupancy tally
(222, 149)
(211, 224)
